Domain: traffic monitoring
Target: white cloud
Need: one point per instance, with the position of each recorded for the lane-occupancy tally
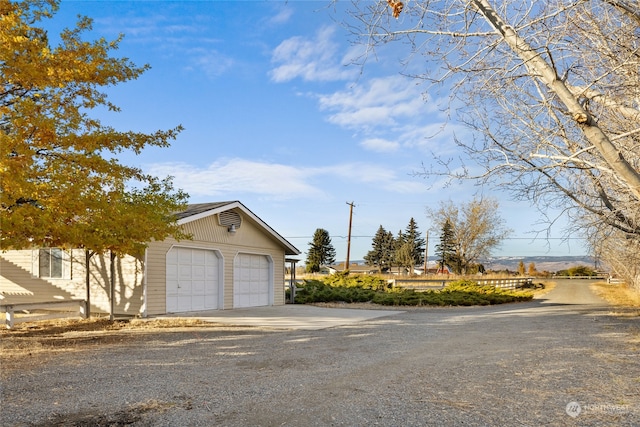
(378, 102)
(282, 16)
(312, 59)
(274, 181)
(380, 145)
(212, 62)
(238, 176)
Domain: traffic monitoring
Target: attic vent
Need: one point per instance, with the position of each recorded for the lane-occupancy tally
(229, 218)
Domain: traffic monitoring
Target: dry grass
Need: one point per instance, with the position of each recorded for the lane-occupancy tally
(618, 295)
(36, 341)
(95, 324)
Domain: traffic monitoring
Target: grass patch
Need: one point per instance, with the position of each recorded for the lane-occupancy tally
(617, 294)
(355, 289)
(48, 337)
(57, 327)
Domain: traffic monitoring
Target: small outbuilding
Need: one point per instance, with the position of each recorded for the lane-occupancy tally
(233, 260)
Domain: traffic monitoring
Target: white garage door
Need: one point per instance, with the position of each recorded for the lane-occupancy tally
(192, 280)
(252, 281)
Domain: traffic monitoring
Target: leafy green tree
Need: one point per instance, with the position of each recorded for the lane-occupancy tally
(61, 184)
(581, 270)
(477, 229)
(521, 268)
(382, 253)
(321, 251)
(404, 257)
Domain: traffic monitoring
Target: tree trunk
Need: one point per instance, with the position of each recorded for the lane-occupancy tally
(87, 258)
(548, 75)
(112, 285)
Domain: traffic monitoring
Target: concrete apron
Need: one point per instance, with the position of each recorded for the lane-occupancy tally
(300, 317)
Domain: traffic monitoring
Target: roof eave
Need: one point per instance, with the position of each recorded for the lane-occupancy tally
(290, 249)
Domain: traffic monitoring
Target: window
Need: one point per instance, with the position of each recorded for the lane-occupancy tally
(50, 263)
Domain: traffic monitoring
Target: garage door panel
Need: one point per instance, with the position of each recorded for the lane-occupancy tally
(197, 257)
(192, 280)
(184, 303)
(252, 281)
(172, 272)
(197, 272)
(184, 272)
(184, 255)
(211, 273)
(172, 306)
(197, 304)
(211, 257)
(198, 288)
(210, 302)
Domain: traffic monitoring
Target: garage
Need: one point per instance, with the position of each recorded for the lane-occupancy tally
(253, 281)
(193, 280)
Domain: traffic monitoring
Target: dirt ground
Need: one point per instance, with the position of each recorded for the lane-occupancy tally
(566, 358)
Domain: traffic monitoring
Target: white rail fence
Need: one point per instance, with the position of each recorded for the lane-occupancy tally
(31, 312)
(427, 284)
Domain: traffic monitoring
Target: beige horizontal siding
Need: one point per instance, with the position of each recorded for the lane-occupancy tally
(19, 283)
(208, 234)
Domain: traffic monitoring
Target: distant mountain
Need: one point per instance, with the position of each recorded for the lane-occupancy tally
(542, 263)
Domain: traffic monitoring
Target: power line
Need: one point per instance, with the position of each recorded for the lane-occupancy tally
(506, 238)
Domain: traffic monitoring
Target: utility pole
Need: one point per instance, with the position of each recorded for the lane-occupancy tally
(346, 264)
(426, 253)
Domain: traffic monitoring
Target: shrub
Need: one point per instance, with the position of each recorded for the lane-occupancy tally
(357, 281)
(376, 290)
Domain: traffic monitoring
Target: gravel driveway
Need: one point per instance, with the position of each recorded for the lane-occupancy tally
(562, 360)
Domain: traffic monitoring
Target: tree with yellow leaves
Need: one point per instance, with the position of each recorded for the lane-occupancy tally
(61, 184)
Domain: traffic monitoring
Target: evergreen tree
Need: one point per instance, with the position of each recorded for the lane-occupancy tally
(382, 253)
(412, 235)
(321, 251)
(399, 259)
(446, 249)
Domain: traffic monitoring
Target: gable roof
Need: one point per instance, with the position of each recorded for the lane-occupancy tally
(202, 210)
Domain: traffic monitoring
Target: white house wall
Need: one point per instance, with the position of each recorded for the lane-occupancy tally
(19, 281)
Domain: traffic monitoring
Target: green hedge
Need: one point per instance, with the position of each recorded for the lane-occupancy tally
(356, 288)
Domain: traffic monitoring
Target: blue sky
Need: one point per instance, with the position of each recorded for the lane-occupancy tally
(277, 116)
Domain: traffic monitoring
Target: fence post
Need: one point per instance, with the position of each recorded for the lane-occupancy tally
(82, 310)
(9, 316)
